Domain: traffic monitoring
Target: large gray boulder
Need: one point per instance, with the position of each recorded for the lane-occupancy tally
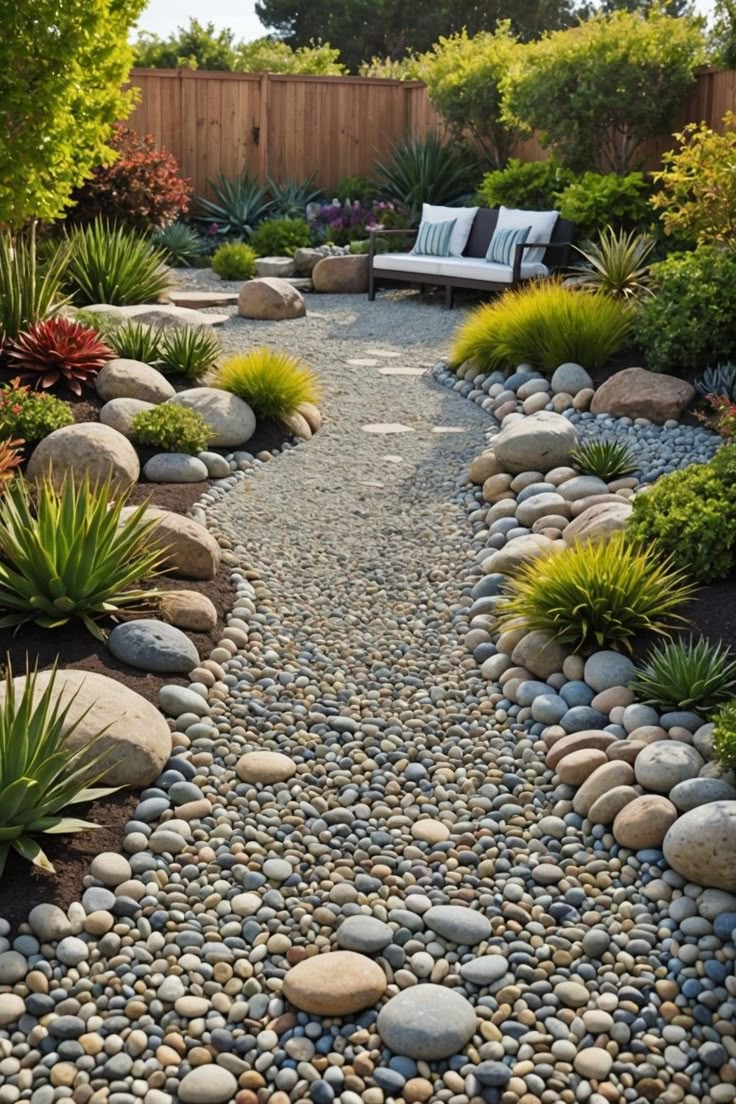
(231, 420)
(120, 413)
(701, 845)
(153, 646)
(598, 522)
(538, 443)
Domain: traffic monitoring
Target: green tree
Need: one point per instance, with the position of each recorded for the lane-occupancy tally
(277, 57)
(62, 65)
(643, 7)
(595, 93)
(464, 76)
(197, 46)
(723, 35)
(367, 29)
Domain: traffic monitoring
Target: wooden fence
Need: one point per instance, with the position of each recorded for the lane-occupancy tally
(283, 126)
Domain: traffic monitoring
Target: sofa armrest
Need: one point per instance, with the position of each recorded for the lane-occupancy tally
(379, 230)
(519, 253)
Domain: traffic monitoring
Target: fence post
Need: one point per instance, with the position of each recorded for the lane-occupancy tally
(263, 126)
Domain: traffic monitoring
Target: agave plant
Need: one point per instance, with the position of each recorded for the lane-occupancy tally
(607, 459)
(29, 289)
(687, 674)
(426, 170)
(290, 199)
(240, 204)
(58, 349)
(180, 243)
(617, 265)
(720, 380)
(188, 350)
(109, 264)
(71, 554)
(134, 341)
(40, 775)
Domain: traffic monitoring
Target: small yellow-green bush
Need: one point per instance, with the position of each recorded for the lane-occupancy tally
(272, 382)
(234, 261)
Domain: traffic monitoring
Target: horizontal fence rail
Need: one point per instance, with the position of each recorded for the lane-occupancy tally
(291, 126)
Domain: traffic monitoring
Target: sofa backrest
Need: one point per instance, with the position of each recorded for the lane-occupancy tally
(484, 224)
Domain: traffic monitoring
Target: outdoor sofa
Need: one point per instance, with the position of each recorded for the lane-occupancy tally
(465, 266)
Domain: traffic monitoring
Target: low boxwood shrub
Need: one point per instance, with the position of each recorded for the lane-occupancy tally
(234, 261)
(599, 594)
(529, 185)
(690, 515)
(172, 428)
(272, 382)
(281, 237)
(686, 674)
(544, 325)
(688, 322)
(31, 415)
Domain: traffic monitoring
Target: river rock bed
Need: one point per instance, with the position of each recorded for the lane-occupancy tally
(352, 820)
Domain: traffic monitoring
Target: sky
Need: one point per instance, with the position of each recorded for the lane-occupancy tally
(164, 16)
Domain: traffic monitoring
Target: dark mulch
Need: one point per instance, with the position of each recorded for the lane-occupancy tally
(712, 613)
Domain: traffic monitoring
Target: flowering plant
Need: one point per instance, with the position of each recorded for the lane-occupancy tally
(31, 415)
(722, 418)
(346, 222)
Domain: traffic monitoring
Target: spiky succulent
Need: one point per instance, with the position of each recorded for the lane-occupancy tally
(607, 459)
(687, 674)
(188, 351)
(718, 380)
(181, 244)
(58, 349)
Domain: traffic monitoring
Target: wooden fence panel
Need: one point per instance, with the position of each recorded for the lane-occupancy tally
(285, 126)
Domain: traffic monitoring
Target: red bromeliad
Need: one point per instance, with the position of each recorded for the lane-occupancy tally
(57, 349)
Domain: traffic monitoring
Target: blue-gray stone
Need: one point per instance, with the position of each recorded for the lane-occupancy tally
(582, 717)
(365, 934)
(154, 646)
(427, 1021)
(174, 467)
(549, 708)
(693, 792)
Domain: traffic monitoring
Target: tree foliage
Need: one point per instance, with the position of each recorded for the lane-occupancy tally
(723, 36)
(62, 66)
(698, 184)
(595, 93)
(318, 59)
(465, 76)
(368, 29)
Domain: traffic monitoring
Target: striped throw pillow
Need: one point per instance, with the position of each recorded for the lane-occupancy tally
(433, 239)
(503, 244)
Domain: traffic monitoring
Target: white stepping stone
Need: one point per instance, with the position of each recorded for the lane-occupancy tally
(368, 483)
(393, 459)
(362, 362)
(449, 429)
(387, 427)
(391, 371)
(383, 353)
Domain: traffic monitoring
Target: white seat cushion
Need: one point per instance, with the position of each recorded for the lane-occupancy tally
(463, 223)
(406, 262)
(542, 224)
(472, 268)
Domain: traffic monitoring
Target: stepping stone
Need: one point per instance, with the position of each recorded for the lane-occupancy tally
(367, 483)
(449, 429)
(197, 300)
(382, 353)
(391, 371)
(362, 362)
(392, 458)
(387, 427)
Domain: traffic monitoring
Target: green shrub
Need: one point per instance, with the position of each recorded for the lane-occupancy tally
(234, 261)
(545, 325)
(135, 341)
(724, 736)
(608, 460)
(31, 415)
(172, 428)
(617, 264)
(599, 594)
(30, 290)
(688, 323)
(41, 773)
(108, 264)
(529, 185)
(596, 200)
(691, 515)
(181, 244)
(188, 351)
(691, 674)
(272, 382)
(281, 237)
(66, 552)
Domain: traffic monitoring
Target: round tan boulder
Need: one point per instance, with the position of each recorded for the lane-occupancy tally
(537, 443)
(578, 765)
(132, 379)
(597, 522)
(188, 609)
(119, 414)
(574, 741)
(483, 467)
(335, 984)
(271, 299)
(341, 275)
(539, 653)
(611, 774)
(517, 552)
(265, 767)
(627, 750)
(664, 763)
(296, 424)
(644, 822)
(192, 551)
(607, 807)
(231, 420)
(637, 393)
(87, 449)
(137, 742)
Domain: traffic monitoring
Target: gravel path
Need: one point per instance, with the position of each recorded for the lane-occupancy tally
(488, 950)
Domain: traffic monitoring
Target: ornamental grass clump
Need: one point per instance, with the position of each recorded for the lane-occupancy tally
(108, 264)
(272, 382)
(30, 290)
(686, 674)
(608, 460)
(40, 774)
(544, 325)
(596, 594)
(188, 351)
(135, 341)
(68, 553)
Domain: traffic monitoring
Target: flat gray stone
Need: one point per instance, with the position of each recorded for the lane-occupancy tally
(460, 925)
(693, 792)
(485, 970)
(154, 646)
(426, 1021)
(365, 934)
(209, 1084)
(175, 467)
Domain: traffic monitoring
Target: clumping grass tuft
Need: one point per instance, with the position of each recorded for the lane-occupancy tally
(692, 674)
(608, 460)
(188, 350)
(545, 325)
(133, 340)
(272, 382)
(108, 264)
(596, 595)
